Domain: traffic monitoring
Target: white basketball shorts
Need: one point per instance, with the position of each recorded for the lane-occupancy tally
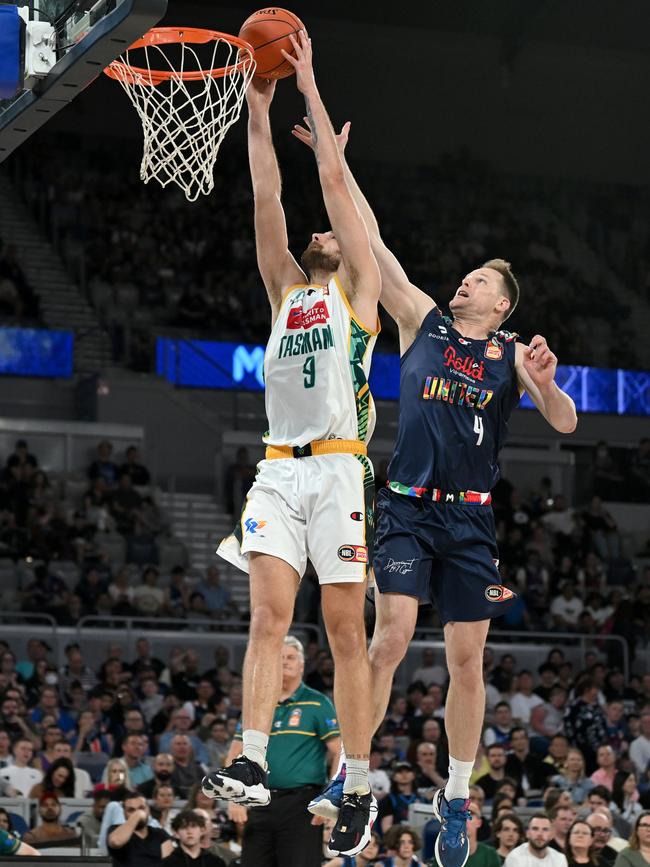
(318, 507)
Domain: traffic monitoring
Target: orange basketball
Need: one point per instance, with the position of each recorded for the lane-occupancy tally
(268, 30)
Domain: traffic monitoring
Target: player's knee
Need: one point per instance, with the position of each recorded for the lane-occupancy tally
(347, 638)
(388, 649)
(466, 667)
(268, 623)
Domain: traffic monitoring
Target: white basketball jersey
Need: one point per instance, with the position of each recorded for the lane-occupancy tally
(316, 369)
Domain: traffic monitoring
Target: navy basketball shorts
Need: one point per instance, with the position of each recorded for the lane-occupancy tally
(440, 553)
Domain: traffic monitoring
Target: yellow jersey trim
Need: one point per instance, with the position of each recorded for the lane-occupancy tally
(353, 315)
(291, 288)
(293, 732)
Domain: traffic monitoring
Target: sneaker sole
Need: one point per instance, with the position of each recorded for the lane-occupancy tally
(324, 808)
(229, 789)
(441, 863)
(367, 834)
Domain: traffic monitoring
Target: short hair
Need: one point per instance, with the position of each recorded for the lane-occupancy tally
(553, 812)
(539, 815)
(585, 684)
(600, 791)
(502, 704)
(292, 641)
(187, 819)
(509, 281)
(496, 747)
(516, 729)
(165, 785)
(131, 795)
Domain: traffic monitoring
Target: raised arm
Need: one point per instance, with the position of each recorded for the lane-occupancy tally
(536, 366)
(401, 299)
(347, 224)
(277, 266)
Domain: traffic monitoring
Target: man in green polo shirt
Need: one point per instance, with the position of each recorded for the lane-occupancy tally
(305, 740)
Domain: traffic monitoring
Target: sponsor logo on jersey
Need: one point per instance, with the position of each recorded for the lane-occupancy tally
(464, 342)
(437, 336)
(402, 567)
(353, 553)
(252, 526)
(318, 314)
(356, 516)
(464, 363)
(494, 350)
(498, 593)
(442, 329)
(294, 719)
(456, 393)
(331, 723)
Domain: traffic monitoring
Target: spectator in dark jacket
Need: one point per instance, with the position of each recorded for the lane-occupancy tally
(585, 724)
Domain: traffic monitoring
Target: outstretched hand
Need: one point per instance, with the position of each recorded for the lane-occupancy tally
(259, 93)
(303, 134)
(539, 362)
(302, 62)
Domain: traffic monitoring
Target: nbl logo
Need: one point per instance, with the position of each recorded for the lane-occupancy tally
(498, 593)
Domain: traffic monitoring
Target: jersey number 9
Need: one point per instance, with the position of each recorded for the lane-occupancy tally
(309, 369)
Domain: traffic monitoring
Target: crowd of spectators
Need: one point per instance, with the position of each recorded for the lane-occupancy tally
(148, 255)
(19, 304)
(136, 735)
(44, 521)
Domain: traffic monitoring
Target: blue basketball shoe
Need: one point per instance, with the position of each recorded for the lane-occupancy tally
(452, 845)
(328, 803)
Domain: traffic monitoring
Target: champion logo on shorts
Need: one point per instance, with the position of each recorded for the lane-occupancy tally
(353, 553)
(399, 566)
(498, 593)
(252, 526)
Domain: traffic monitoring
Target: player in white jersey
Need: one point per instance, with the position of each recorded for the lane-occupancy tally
(313, 493)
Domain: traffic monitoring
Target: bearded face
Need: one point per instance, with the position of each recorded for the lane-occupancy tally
(317, 258)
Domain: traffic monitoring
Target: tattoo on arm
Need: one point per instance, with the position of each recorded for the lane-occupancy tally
(312, 126)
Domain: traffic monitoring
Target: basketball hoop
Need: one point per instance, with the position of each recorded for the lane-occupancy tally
(187, 106)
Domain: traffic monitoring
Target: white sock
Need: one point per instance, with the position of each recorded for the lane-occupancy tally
(356, 776)
(255, 746)
(458, 782)
(339, 767)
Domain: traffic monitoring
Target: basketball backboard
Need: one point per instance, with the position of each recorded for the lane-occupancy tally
(69, 43)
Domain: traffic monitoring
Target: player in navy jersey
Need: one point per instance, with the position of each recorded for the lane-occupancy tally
(461, 377)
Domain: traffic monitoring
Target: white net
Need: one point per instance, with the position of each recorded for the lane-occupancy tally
(187, 103)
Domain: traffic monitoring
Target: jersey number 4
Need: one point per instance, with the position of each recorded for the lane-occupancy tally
(309, 369)
(478, 429)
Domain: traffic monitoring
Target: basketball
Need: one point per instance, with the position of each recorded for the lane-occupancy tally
(268, 31)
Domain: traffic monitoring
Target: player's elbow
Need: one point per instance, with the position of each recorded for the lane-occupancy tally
(566, 425)
(332, 178)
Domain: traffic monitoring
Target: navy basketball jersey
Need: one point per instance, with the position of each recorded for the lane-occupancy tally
(456, 396)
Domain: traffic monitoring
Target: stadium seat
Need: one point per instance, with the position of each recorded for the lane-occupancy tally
(92, 763)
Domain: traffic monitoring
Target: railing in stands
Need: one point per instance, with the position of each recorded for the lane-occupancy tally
(197, 626)
(576, 641)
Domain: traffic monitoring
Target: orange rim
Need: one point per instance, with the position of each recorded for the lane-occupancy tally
(122, 71)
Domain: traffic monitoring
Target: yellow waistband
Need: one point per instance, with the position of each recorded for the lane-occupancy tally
(318, 447)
